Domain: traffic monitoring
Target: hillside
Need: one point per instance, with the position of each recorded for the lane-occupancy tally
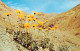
(52, 31)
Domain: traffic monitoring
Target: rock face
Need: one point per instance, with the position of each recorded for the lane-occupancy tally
(65, 38)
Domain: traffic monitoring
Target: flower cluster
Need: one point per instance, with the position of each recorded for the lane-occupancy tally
(31, 18)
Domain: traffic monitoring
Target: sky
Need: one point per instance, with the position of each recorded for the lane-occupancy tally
(45, 6)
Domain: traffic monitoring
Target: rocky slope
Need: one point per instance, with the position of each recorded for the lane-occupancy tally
(65, 38)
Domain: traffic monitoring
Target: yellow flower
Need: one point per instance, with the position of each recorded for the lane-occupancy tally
(7, 14)
(18, 11)
(46, 29)
(29, 19)
(21, 16)
(46, 21)
(55, 26)
(34, 12)
(27, 25)
(39, 28)
(32, 16)
(40, 23)
(52, 28)
(34, 26)
(34, 19)
(28, 16)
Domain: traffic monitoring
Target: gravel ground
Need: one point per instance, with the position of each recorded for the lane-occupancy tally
(7, 44)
